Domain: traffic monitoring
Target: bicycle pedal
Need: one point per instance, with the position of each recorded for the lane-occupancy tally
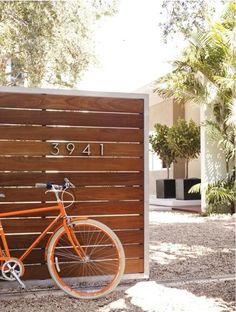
(22, 287)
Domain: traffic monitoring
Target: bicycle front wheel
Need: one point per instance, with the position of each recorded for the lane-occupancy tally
(99, 272)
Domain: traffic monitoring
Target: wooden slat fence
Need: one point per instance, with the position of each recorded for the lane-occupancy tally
(97, 142)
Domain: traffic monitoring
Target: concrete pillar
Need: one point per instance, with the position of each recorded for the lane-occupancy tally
(213, 166)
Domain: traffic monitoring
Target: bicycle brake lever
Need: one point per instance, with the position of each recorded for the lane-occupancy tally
(68, 184)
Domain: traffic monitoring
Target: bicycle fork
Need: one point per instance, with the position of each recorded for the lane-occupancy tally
(74, 241)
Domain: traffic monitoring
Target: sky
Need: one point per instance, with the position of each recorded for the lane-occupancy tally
(129, 49)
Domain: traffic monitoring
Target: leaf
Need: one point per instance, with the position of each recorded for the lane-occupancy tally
(195, 188)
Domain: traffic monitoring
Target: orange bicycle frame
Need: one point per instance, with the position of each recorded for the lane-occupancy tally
(62, 215)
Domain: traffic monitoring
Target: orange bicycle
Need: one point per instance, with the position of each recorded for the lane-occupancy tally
(85, 258)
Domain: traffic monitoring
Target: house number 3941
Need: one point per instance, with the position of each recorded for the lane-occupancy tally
(70, 148)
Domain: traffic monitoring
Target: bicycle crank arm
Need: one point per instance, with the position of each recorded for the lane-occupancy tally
(18, 280)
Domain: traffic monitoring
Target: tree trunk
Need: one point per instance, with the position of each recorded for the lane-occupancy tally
(168, 171)
(186, 168)
(232, 208)
(227, 169)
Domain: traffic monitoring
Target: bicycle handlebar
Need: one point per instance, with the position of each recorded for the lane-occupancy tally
(49, 185)
(41, 185)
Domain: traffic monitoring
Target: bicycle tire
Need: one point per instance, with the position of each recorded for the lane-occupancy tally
(99, 273)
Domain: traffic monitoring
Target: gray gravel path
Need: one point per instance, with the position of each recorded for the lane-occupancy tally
(189, 251)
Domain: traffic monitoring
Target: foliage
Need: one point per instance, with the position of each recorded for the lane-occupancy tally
(206, 69)
(205, 74)
(160, 145)
(49, 42)
(184, 140)
(181, 140)
(221, 196)
(183, 16)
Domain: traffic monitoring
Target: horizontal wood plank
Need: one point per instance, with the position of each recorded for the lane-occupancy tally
(70, 164)
(41, 271)
(19, 241)
(28, 117)
(70, 134)
(82, 194)
(38, 255)
(78, 178)
(64, 149)
(66, 102)
(37, 225)
(82, 208)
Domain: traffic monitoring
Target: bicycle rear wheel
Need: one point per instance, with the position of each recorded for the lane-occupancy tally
(101, 269)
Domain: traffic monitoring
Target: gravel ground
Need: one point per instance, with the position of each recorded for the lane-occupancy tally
(192, 267)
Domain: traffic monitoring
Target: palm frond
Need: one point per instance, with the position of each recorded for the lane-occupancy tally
(221, 192)
(231, 120)
(195, 188)
(220, 195)
(227, 82)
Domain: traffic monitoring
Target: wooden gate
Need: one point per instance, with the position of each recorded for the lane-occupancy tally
(97, 141)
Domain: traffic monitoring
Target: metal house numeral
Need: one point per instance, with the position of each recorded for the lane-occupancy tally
(55, 150)
(70, 147)
(101, 149)
(87, 150)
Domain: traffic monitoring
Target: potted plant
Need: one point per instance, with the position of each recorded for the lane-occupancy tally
(165, 188)
(184, 140)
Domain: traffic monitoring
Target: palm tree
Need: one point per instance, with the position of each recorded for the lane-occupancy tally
(206, 75)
